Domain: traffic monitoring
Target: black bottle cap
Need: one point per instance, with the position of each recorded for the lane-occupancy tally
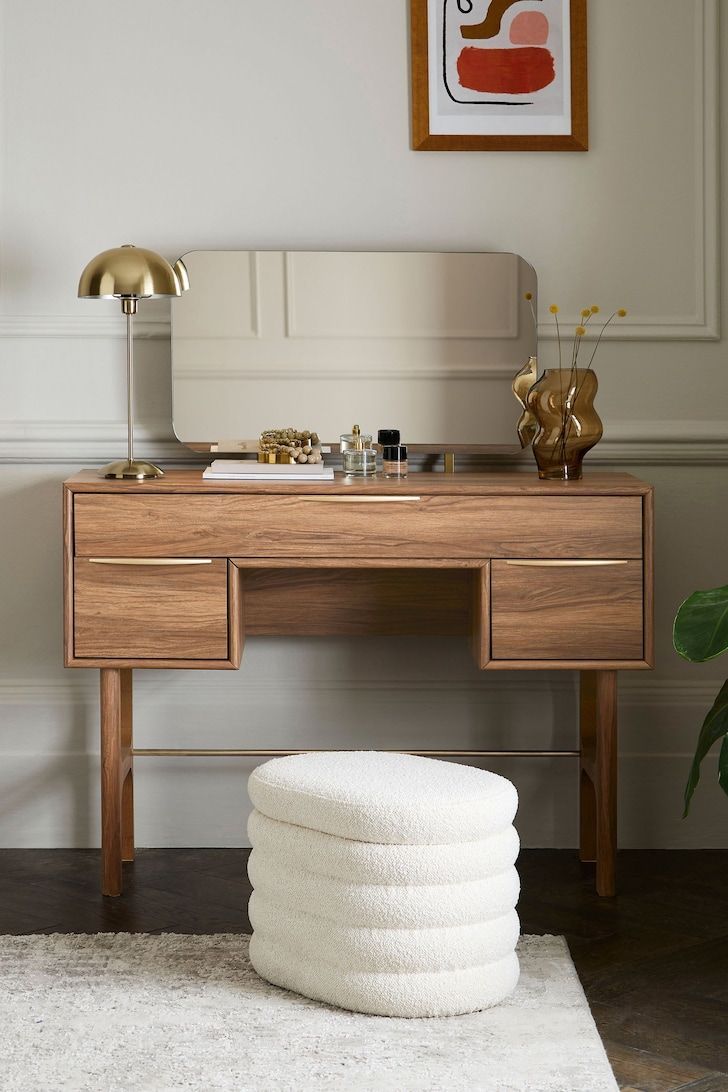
(388, 436)
(397, 453)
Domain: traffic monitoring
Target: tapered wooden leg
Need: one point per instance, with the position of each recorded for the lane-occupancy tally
(598, 775)
(127, 785)
(587, 792)
(115, 766)
(606, 782)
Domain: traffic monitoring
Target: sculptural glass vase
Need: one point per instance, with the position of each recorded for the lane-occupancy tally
(562, 402)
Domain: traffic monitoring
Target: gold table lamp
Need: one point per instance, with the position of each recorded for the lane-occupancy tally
(131, 273)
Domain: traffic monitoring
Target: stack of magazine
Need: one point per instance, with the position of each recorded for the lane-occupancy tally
(248, 470)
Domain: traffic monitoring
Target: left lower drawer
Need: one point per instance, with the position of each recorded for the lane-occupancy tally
(131, 608)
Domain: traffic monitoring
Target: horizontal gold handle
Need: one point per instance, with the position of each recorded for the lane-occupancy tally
(385, 499)
(150, 560)
(565, 563)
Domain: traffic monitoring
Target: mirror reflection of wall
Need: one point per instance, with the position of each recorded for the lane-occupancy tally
(426, 342)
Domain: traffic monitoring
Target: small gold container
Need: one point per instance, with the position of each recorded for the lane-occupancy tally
(266, 456)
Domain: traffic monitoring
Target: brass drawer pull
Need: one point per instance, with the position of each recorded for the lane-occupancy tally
(150, 561)
(359, 500)
(565, 564)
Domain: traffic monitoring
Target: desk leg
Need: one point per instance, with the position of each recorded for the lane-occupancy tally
(117, 792)
(598, 776)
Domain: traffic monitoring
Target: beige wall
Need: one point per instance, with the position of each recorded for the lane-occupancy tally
(230, 124)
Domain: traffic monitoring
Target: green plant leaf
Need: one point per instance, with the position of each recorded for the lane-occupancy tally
(723, 765)
(700, 631)
(715, 727)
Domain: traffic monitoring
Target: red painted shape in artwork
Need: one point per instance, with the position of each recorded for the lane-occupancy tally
(505, 71)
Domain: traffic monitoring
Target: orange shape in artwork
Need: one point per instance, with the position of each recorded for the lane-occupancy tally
(530, 28)
(505, 71)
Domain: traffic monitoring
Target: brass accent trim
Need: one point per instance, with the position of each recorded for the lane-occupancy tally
(381, 499)
(139, 470)
(228, 752)
(150, 560)
(566, 563)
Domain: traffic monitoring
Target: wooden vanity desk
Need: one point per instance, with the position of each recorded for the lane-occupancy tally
(174, 573)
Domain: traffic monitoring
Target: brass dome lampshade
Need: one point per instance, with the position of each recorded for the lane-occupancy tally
(129, 274)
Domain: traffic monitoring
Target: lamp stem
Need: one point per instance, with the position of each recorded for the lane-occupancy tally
(130, 384)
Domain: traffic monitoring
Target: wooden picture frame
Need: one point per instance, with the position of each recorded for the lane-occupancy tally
(503, 119)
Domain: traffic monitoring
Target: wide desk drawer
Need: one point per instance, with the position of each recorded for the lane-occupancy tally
(126, 609)
(341, 525)
(566, 610)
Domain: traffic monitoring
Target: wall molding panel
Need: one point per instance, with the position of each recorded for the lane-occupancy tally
(638, 443)
(704, 323)
(80, 326)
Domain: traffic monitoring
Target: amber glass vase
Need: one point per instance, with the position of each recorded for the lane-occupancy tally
(562, 402)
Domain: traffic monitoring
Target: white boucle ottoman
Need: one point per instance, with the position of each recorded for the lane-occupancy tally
(384, 883)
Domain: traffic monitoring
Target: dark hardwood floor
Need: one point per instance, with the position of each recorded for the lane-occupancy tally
(653, 961)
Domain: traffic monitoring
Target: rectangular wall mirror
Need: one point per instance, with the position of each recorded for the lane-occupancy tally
(424, 342)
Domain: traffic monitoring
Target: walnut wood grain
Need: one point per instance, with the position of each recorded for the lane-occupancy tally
(116, 802)
(315, 602)
(571, 613)
(648, 553)
(587, 766)
(236, 615)
(480, 631)
(598, 776)
(480, 484)
(127, 771)
(435, 526)
(68, 552)
(289, 565)
(155, 613)
(605, 778)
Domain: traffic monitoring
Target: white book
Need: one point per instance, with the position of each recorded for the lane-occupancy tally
(252, 466)
(236, 470)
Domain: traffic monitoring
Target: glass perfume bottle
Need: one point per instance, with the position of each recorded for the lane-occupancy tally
(361, 458)
(348, 440)
(395, 461)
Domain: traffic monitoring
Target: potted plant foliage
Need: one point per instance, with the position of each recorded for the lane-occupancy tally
(701, 633)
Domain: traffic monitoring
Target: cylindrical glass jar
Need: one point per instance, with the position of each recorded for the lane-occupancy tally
(360, 461)
(395, 461)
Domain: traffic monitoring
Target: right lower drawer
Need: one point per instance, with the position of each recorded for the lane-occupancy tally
(566, 610)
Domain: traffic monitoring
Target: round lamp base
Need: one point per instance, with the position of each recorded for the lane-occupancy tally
(138, 470)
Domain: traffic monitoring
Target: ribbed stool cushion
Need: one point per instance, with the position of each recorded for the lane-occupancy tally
(372, 796)
(345, 859)
(423, 993)
(367, 948)
(386, 906)
(384, 883)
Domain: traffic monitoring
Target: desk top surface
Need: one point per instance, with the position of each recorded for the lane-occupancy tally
(490, 483)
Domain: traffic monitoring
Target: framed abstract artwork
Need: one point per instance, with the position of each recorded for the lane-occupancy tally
(499, 75)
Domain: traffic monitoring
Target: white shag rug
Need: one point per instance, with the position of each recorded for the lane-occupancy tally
(115, 1012)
